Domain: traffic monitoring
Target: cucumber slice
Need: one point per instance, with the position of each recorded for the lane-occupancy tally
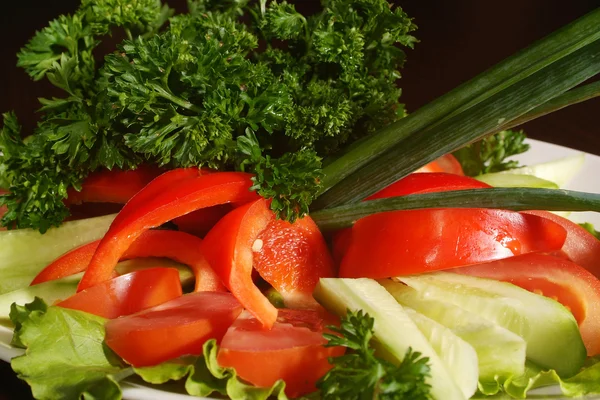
(458, 356)
(499, 179)
(549, 329)
(60, 289)
(500, 352)
(395, 332)
(25, 252)
(559, 171)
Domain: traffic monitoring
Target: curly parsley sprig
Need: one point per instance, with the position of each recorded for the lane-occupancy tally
(360, 375)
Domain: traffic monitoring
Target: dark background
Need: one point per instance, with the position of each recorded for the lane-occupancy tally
(458, 40)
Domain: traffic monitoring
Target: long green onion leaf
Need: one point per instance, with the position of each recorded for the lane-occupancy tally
(573, 96)
(482, 119)
(516, 199)
(559, 44)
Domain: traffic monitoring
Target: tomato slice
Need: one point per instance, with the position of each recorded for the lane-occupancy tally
(187, 195)
(179, 246)
(228, 249)
(173, 329)
(446, 163)
(420, 182)
(292, 257)
(568, 283)
(581, 247)
(415, 183)
(127, 294)
(292, 350)
(414, 241)
(112, 186)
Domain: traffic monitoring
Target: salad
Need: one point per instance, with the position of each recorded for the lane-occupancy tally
(277, 225)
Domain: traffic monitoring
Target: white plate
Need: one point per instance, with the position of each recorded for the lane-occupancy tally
(586, 181)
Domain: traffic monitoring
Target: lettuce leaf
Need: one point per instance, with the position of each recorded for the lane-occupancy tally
(205, 377)
(65, 357)
(587, 381)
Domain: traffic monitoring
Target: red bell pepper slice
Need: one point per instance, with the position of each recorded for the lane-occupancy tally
(180, 199)
(199, 222)
(127, 294)
(112, 186)
(179, 246)
(228, 249)
(446, 163)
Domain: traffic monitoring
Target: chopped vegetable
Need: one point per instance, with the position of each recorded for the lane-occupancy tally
(408, 242)
(291, 350)
(128, 293)
(172, 329)
(360, 374)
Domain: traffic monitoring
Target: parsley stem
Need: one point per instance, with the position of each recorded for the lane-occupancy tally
(171, 97)
(516, 199)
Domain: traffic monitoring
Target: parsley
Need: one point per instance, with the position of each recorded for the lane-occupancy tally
(203, 92)
(489, 154)
(359, 374)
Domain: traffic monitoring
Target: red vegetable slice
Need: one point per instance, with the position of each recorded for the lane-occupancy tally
(173, 329)
(228, 249)
(292, 350)
(568, 283)
(184, 197)
(114, 186)
(420, 182)
(414, 241)
(179, 246)
(127, 294)
(446, 163)
(292, 258)
(581, 247)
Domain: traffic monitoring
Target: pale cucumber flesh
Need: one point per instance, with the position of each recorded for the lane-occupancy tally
(394, 330)
(559, 171)
(458, 356)
(498, 179)
(500, 352)
(541, 321)
(25, 252)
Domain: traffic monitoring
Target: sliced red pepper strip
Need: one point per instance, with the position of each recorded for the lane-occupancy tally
(112, 186)
(199, 222)
(179, 246)
(185, 197)
(155, 188)
(228, 247)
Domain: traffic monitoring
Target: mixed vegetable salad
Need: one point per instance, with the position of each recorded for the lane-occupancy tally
(214, 204)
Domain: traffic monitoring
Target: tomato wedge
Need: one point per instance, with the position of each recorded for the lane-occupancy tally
(420, 182)
(581, 247)
(127, 294)
(187, 195)
(292, 258)
(568, 283)
(179, 246)
(292, 350)
(112, 186)
(414, 241)
(228, 249)
(446, 163)
(173, 329)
